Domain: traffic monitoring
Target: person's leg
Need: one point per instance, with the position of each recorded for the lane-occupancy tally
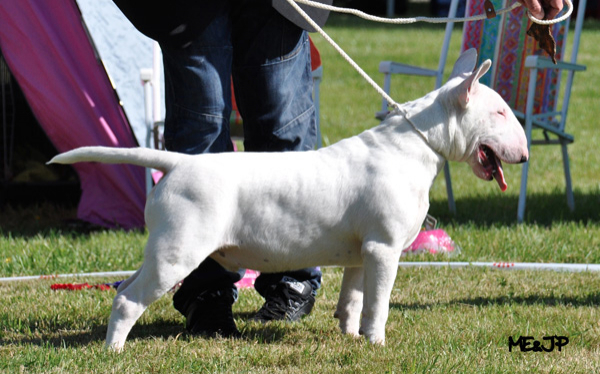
(198, 91)
(273, 81)
(198, 107)
(273, 88)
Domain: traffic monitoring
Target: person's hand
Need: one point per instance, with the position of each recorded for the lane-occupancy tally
(543, 9)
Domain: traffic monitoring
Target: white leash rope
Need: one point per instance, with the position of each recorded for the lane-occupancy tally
(556, 20)
(402, 21)
(380, 90)
(369, 17)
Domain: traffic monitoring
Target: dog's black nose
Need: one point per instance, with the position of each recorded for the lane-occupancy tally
(523, 159)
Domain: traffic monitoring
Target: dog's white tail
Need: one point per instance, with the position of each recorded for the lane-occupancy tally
(150, 158)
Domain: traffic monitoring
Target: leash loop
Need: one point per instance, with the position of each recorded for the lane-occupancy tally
(387, 97)
(394, 105)
(403, 21)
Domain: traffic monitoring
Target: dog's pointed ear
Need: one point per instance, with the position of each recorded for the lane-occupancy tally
(468, 87)
(465, 64)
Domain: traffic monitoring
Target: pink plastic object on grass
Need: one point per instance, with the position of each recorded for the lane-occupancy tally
(432, 241)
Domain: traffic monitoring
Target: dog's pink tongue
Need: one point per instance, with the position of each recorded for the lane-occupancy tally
(499, 176)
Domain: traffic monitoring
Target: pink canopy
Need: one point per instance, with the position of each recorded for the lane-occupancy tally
(49, 53)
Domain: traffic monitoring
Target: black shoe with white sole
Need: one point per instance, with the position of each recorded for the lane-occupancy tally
(288, 300)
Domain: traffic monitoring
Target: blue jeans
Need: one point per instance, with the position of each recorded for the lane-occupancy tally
(269, 60)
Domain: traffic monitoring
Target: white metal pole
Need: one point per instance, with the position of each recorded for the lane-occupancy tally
(156, 82)
(146, 77)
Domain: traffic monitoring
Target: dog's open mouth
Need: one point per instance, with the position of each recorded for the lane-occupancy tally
(492, 166)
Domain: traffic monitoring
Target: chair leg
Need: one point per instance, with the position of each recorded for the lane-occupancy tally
(451, 203)
(525, 172)
(569, 186)
(528, 129)
(522, 193)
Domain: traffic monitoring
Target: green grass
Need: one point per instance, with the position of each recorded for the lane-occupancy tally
(441, 320)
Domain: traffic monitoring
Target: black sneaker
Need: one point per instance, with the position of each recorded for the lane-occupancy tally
(289, 300)
(210, 314)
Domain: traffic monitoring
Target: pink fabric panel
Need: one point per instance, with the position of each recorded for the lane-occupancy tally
(49, 53)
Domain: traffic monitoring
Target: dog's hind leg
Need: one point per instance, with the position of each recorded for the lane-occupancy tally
(158, 274)
(350, 302)
(381, 265)
(128, 281)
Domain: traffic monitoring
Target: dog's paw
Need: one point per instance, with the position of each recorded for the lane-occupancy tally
(374, 337)
(350, 329)
(352, 334)
(348, 325)
(380, 342)
(116, 347)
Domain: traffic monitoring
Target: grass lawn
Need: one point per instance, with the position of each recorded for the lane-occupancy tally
(441, 320)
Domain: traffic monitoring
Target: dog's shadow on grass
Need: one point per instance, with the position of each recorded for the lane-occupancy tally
(67, 337)
(590, 300)
(61, 339)
(543, 209)
(250, 331)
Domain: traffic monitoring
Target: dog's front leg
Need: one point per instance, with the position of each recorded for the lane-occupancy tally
(351, 301)
(380, 268)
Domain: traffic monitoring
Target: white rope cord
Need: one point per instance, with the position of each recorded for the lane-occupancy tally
(380, 90)
(556, 20)
(403, 21)
(358, 13)
(400, 21)
(440, 264)
(73, 275)
(506, 266)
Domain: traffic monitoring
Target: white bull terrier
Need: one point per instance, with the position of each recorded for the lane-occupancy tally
(357, 203)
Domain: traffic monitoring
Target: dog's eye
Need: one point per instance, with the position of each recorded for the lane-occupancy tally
(502, 113)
